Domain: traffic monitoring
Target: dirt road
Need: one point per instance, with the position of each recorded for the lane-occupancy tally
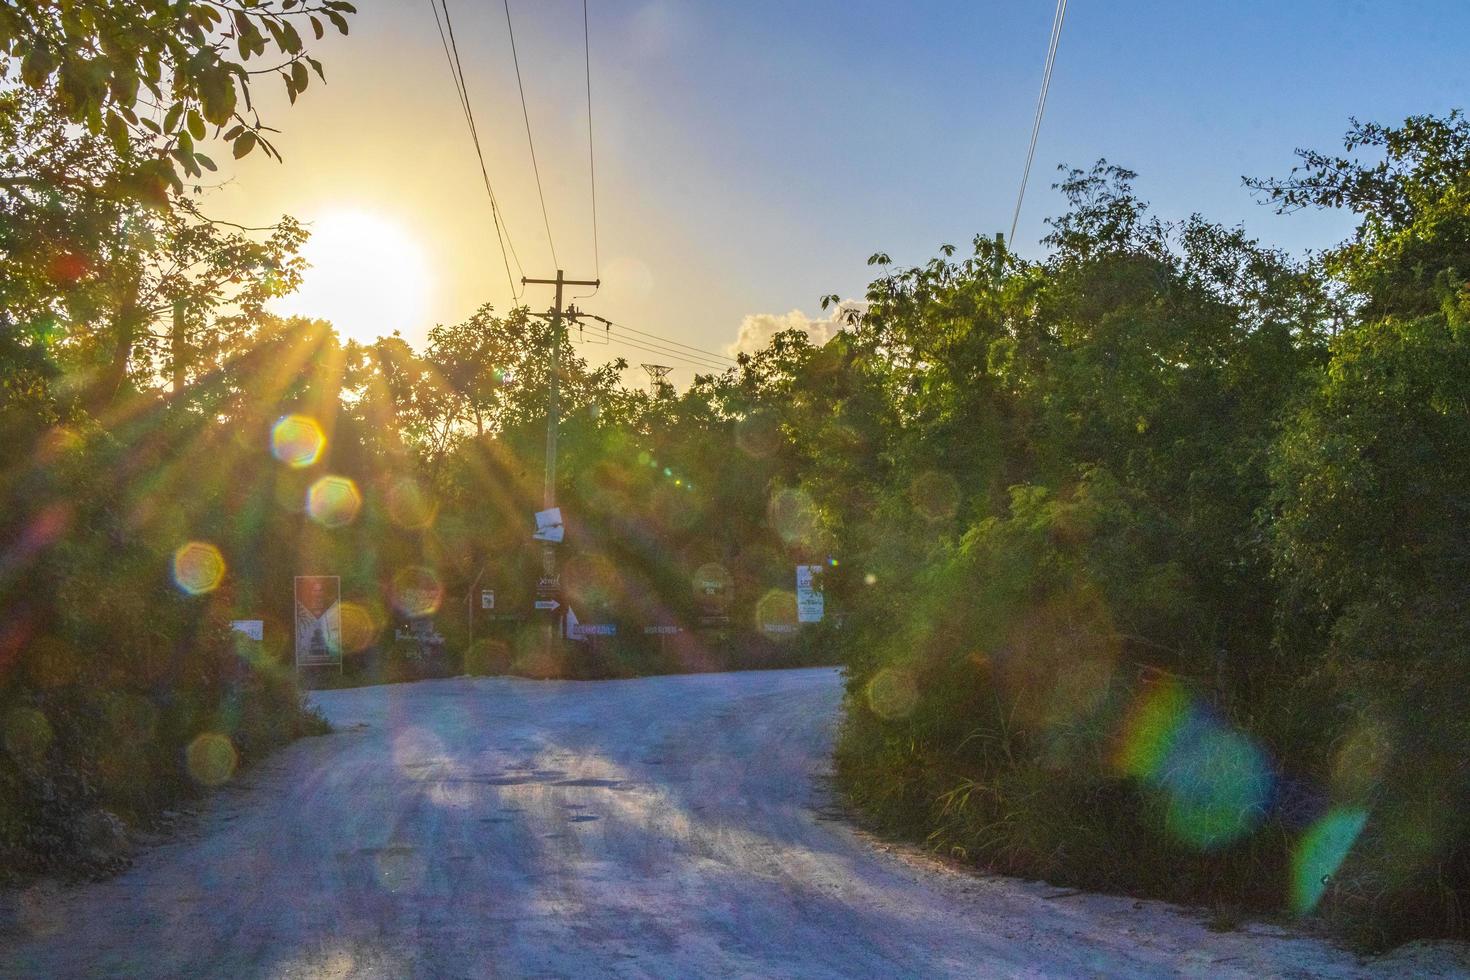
(670, 827)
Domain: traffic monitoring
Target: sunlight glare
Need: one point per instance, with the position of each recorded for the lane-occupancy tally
(369, 276)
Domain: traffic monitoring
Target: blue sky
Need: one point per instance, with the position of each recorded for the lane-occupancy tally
(751, 155)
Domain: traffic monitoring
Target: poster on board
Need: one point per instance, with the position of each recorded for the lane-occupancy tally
(809, 599)
(318, 620)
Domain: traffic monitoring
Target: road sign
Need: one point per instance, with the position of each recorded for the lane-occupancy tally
(253, 628)
(549, 526)
(547, 604)
(487, 599)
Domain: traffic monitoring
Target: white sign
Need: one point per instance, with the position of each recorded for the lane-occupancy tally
(487, 599)
(318, 620)
(253, 628)
(809, 599)
(549, 528)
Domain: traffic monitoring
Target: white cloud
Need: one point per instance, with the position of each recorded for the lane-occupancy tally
(757, 329)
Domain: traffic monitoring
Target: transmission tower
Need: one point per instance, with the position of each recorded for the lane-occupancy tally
(656, 375)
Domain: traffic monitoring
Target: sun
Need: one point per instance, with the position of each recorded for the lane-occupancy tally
(368, 276)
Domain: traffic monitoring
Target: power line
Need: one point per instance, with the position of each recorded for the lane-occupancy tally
(1051, 58)
(698, 367)
(690, 360)
(591, 156)
(456, 71)
(669, 353)
(714, 359)
(515, 59)
(662, 340)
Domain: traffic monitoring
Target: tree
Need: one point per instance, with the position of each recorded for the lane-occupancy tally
(1413, 238)
(155, 75)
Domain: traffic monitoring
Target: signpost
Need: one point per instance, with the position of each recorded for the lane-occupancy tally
(318, 621)
(487, 599)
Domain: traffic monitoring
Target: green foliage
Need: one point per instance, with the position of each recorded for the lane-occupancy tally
(1165, 519)
(155, 76)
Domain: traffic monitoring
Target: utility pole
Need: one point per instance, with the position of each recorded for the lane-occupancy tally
(656, 375)
(550, 581)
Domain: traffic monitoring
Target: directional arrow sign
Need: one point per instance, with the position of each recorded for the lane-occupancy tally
(547, 604)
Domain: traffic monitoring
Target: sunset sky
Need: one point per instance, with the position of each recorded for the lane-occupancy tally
(751, 155)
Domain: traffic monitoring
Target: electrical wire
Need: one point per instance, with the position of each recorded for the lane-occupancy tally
(667, 352)
(526, 114)
(653, 337)
(1051, 58)
(456, 71)
(701, 366)
(591, 155)
(648, 347)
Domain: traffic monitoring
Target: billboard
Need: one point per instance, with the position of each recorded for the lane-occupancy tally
(318, 620)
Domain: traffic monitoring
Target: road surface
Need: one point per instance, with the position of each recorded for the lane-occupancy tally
(668, 827)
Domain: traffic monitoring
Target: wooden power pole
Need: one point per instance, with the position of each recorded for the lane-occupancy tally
(549, 577)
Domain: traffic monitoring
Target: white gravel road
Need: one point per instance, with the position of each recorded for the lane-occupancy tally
(666, 827)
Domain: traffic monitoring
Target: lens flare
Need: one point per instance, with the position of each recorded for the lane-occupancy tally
(417, 592)
(1219, 787)
(211, 759)
(360, 627)
(775, 614)
(333, 501)
(1214, 782)
(198, 567)
(935, 496)
(1320, 853)
(712, 578)
(794, 516)
(758, 434)
(892, 693)
(409, 505)
(297, 440)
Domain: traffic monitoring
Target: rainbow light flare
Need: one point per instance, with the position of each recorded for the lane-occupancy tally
(417, 592)
(297, 441)
(333, 501)
(1216, 783)
(409, 506)
(198, 567)
(1320, 852)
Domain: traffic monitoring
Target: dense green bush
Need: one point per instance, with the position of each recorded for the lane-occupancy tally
(1194, 619)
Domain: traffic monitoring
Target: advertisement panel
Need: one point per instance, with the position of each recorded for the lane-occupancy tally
(318, 620)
